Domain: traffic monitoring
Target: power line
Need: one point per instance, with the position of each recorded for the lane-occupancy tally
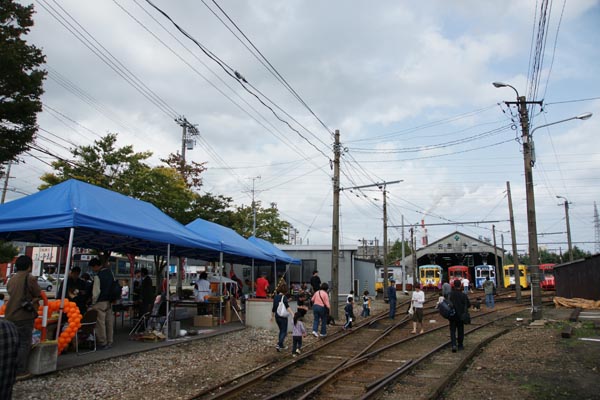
(270, 66)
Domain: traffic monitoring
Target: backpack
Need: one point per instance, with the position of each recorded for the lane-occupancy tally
(115, 291)
(446, 309)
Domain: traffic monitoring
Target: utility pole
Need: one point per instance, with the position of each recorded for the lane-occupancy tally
(495, 252)
(186, 141)
(514, 245)
(403, 263)
(382, 186)
(413, 245)
(5, 188)
(568, 226)
(254, 178)
(335, 236)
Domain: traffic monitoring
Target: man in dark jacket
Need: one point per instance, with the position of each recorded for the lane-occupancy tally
(392, 298)
(315, 281)
(101, 302)
(22, 307)
(147, 292)
(461, 303)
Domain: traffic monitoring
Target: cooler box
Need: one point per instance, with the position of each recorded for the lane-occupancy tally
(43, 357)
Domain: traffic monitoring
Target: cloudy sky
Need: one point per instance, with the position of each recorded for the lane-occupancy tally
(407, 84)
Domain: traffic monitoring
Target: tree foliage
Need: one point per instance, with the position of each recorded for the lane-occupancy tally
(20, 80)
(7, 252)
(395, 252)
(269, 225)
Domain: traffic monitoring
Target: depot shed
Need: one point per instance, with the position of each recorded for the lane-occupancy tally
(580, 278)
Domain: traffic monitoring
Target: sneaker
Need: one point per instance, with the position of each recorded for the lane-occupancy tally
(454, 349)
(298, 351)
(284, 348)
(104, 347)
(315, 334)
(277, 348)
(293, 355)
(323, 335)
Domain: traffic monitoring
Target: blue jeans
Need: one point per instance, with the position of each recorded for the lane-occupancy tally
(319, 315)
(282, 323)
(489, 300)
(365, 311)
(392, 308)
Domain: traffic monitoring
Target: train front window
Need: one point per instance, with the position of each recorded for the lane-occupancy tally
(511, 272)
(430, 273)
(485, 273)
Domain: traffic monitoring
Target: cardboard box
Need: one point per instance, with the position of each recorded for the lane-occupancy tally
(204, 320)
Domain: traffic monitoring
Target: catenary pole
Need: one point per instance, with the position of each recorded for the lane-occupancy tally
(335, 236)
(513, 236)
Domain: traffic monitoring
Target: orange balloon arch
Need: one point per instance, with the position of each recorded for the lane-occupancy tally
(70, 310)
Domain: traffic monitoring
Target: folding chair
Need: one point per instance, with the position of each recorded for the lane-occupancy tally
(87, 331)
(156, 319)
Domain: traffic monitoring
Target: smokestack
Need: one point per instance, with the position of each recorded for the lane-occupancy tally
(424, 239)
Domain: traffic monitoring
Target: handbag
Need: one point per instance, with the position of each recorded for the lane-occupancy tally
(411, 310)
(26, 304)
(281, 310)
(465, 317)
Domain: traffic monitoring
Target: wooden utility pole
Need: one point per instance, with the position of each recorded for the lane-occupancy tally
(514, 245)
(403, 263)
(6, 177)
(335, 236)
(496, 261)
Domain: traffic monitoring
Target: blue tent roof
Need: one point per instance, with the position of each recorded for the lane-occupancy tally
(103, 220)
(271, 249)
(231, 242)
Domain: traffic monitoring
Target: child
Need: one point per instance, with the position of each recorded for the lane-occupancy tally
(366, 305)
(297, 333)
(349, 313)
(477, 304)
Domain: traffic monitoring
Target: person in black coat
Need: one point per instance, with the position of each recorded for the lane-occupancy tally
(146, 292)
(461, 303)
(315, 282)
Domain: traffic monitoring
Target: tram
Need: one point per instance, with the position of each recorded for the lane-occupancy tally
(458, 272)
(509, 276)
(393, 272)
(430, 276)
(482, 272)
(547, 276)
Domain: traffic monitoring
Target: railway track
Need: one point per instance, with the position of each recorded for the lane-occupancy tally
(363, 362)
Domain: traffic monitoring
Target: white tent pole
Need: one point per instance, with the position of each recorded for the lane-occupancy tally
(64, 291)
(58, 271)
(168, 289)
(220, 287)
(252, 281)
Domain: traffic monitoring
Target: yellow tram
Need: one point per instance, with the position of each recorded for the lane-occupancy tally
(430, 276)
(509, 276)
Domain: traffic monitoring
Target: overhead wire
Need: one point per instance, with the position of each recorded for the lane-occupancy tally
(268, 64)
(238, 78)
(107, 57)
(273, 131)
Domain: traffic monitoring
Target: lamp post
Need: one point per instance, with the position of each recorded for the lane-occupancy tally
(568, 226)
(526, 138)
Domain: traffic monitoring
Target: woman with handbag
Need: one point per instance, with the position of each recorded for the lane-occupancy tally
(22, 308)
(281, 311)
(320, 301)
(461, 304)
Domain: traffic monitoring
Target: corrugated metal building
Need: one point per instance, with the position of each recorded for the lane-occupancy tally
(580, 278)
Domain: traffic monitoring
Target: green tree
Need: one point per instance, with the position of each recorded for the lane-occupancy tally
(7, 252)
(269, 225)
(395, 252)
(101, 164)
(20, 80)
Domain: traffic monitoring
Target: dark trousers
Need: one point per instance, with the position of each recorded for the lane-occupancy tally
(392, 308)
(25, 329)
(282, 323)
(460, 327)
(296, 343)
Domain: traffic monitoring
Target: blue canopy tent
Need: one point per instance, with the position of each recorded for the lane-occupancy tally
(280, 256)
(231, 242)
(103, 219)
(269, 248)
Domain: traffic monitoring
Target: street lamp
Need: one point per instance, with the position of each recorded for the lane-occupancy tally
(568, 226)
(526, 138)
